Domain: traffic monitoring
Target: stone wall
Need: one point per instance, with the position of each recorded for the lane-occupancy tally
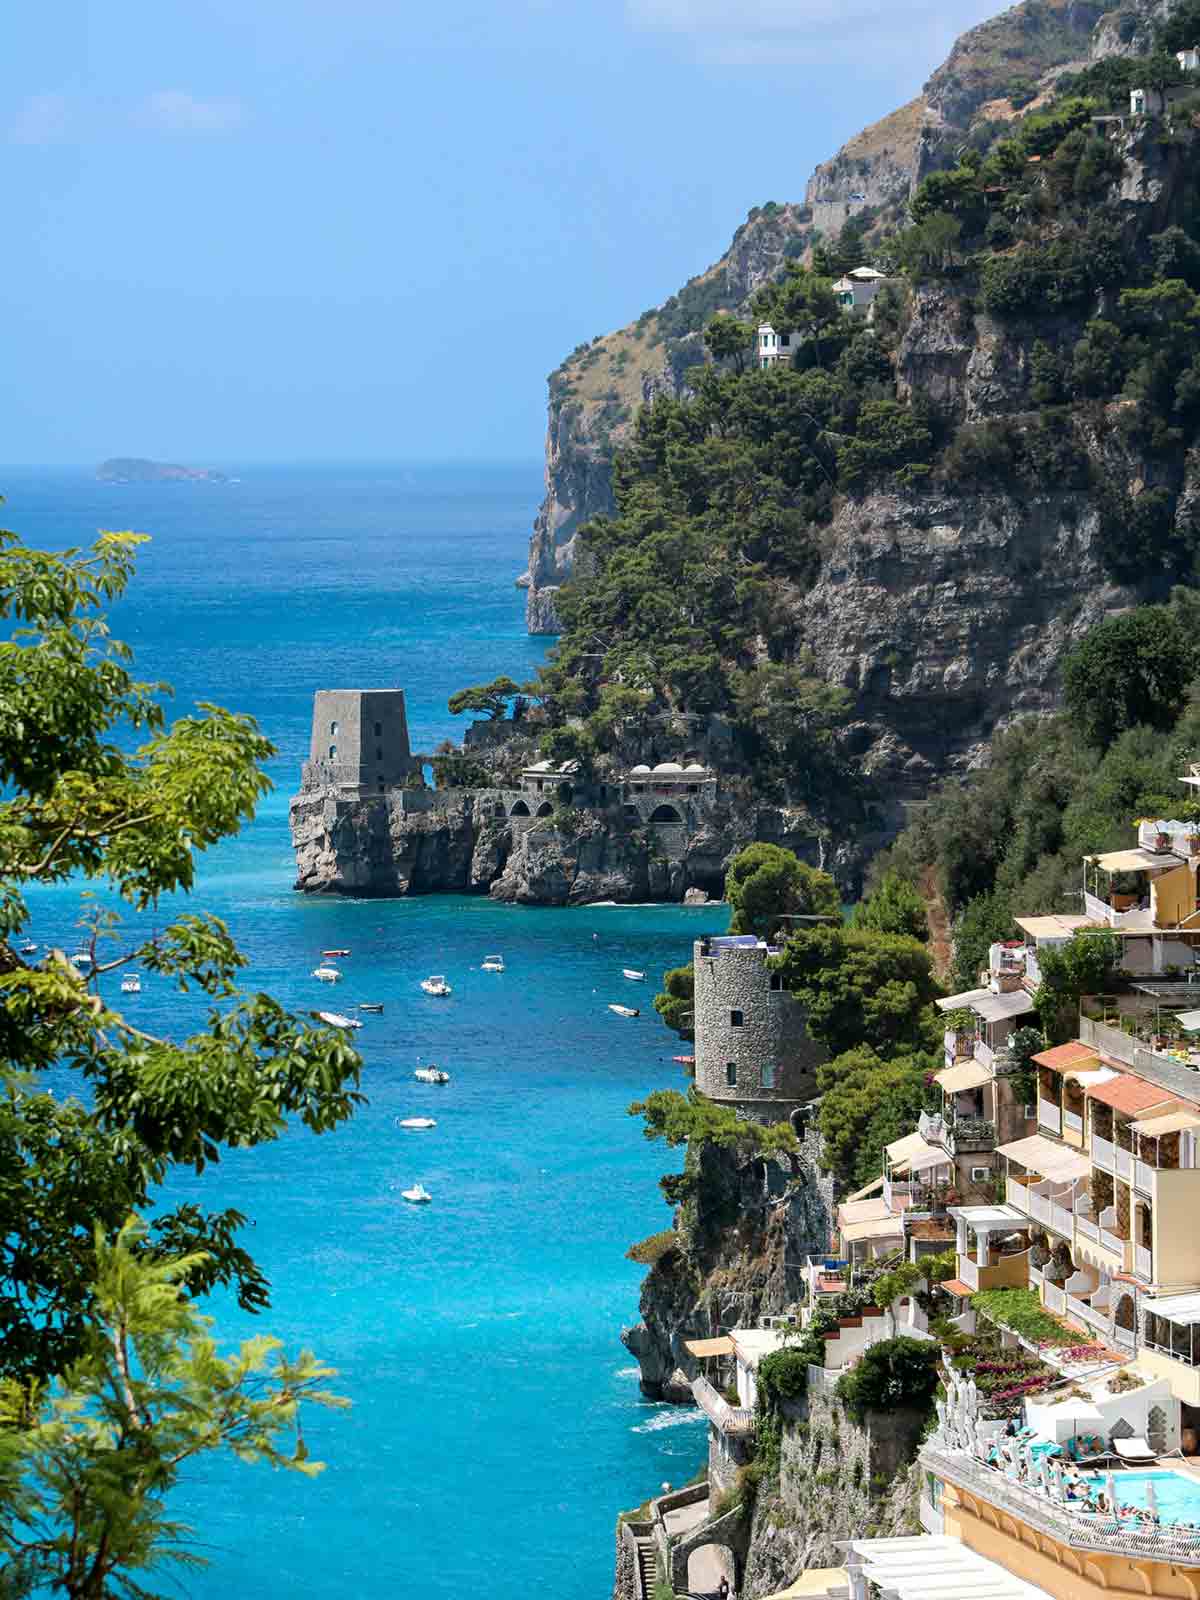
(770, 1038)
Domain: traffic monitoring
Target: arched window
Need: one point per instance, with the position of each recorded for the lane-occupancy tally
(545, 809)
(731, 1074)
(333, 752)
(736, 1019)
(519, 810)
(333, 729)
(381, 785)
(379, 730)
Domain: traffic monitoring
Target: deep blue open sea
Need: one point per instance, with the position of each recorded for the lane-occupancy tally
(497, 1427)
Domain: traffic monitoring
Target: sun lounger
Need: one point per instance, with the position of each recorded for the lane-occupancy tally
(1134, 1450)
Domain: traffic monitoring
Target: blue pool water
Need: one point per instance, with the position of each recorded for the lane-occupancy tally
(497, 1427)
(1177, 1498)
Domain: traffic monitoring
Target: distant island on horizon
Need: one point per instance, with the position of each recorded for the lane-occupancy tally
(135, 469)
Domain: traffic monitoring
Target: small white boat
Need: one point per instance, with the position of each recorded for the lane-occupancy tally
(628, 972)
(327, 974)
(29, 948)
(416, 1122)
(131, 983)
(370, 1005)
(625, 1011)
(335, 952)
(335, 1019)
(436, 985)
(431, 1075)
(82, 960)
(418, 1195)
(493, 964)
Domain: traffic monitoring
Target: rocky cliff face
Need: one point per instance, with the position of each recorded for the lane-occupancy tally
(596, 391)
(737, 1259)
(455, 843)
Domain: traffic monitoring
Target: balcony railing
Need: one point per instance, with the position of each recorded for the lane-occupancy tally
(1088, 1228)
(1125, 1337)
(1102, 1153)
(1143, 1264)
(1086, 1313)
(1072, 1122)
(1049, 1116)
(1062, 1219)
(1054, 1298)
(1143, 1176)
(1030, 1508)
(968, 1271)
(1124, 1163)
(1036, 1278)
(1018, 1195)
(984, 1054)
(1039, 1206)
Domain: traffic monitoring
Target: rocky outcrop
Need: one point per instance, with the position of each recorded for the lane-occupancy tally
(741, 1244)
(464, 841)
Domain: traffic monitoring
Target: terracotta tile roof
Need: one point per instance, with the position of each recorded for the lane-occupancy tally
(1131, 1096)
(1064, 1056)
(958, 1287)
(929, 1230)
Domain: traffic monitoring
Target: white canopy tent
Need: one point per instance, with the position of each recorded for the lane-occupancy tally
(933, 1565)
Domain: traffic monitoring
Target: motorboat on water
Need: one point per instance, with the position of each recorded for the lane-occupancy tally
(416, 1122)
(131, 983)
(625, 1011)
(418, 1195)
(335, 1019)
(327, 974)
(493, 964)
(431, 1075)
(370, 1005)
(82, 959)
(29, 948)
(335, 952)
(436, 985)
(628, 972)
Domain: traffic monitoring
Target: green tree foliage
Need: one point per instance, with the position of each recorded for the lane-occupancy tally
(87, 1462)
(891, 438)
(894, 906)
(863, 989)
(729, 339)
(892, 1375)
(766, 885)
(97, 787)
(1180, 30)
(692, 1119)
(492, 698)
(676, 1003)
(1130, 669)
(789, 720)
(804, 303)
(867, 1101)
(930, 248)
(1080, 967)
(1023, 1045)
(458, 769)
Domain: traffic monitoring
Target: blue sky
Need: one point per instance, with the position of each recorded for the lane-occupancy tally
(368, 229)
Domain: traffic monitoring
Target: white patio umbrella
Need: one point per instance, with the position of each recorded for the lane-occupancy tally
(972, 1399)
(1151, 1498)
(1110, 1492)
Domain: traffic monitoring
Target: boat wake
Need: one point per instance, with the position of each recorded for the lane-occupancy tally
(676, 1417)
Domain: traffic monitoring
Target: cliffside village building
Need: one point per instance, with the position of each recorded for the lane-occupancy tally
(855, 292)
(1096, 1196)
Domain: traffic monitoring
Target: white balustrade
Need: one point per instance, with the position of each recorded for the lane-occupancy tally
(1088, 1228)
(1049, 1116)
(1062, 1219)
(1142, 1262)
(1053, 1297)
(968, 1271)
(1072, 1122)
(1124, 1337)
(1036, 1277)
(1102, 1153)
(1143, 1178)
(1039, 1206)
(1018, 1195)
(1110, 1241)
(1124, 1163)
(984, 1054)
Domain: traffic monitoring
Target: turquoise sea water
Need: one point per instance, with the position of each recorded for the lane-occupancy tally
(497, 1427)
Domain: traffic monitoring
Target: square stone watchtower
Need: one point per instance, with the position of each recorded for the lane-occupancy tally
(359, 742)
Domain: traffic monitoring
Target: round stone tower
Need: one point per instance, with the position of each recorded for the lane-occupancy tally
(753, 1050)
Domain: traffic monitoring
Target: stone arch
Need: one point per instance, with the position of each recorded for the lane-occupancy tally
(665, 813)
(519, 810)
(545, 809)
(707, 1565)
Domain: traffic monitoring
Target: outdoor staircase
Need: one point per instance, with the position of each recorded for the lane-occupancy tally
(647, 1561)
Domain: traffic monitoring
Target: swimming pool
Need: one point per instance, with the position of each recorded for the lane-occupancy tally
(1177, 1497)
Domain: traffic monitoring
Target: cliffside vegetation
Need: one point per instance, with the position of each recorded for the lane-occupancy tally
(1012, 839)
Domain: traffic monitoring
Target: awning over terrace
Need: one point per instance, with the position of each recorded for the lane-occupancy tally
(1183, 1309)
(1138, 861)
(700, 1348)
(959, 1002)
(1173, 1122)
(966, 1075)
(913, 1148)
(1054, 1161)
(999, 1007)
(936, 1565)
